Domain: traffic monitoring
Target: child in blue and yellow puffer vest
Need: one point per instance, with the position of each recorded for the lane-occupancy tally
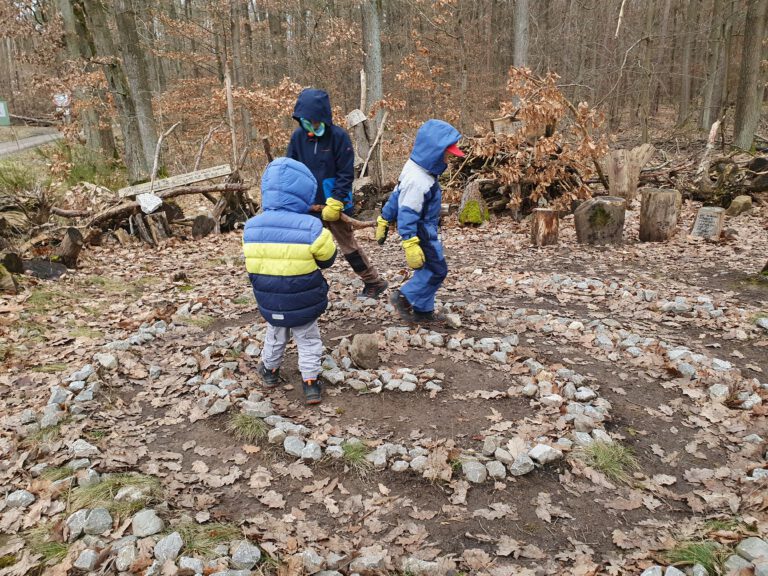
(285, 248)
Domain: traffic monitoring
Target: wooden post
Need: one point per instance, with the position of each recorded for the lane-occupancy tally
(600, 220)
(544, 227)
(70, 247)
(709, 223)
(659, 211)
(623, 168)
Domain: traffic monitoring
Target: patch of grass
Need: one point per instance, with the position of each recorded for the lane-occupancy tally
(85, 165)
(613, 459)
(354, 454)
(16, 177)
(43, 436)
(709, 554)
(7, 560)
(85, 332)
(186, 287)
(40, 541)
(102, 495)
(95, 434)
(57, 473)
(52, 368)
(202, 539)
(242, 300)
(201, 321)
(41, 300)
(247, 428)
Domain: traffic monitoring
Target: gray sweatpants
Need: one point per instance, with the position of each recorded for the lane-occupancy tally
(308, 341)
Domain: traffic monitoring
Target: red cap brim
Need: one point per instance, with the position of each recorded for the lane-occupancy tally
(455, 150)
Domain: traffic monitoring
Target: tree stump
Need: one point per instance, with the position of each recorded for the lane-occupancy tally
(473, 209)
(7, 282)
(623, 169)
(69, 249)
(600, 220)
(659, 211)
(544, 227)
(708, 223)
(12, 262)
(202, 225)
(157, 224)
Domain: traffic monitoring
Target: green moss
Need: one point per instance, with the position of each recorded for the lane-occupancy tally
(473, 213)
(599, 217)
(7, 560)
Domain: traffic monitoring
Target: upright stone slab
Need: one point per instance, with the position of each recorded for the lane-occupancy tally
(659, 211)
(600, 220)
(709, 223)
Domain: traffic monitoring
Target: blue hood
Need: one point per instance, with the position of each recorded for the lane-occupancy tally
(313, 104)
(432, 139)
(287, 185)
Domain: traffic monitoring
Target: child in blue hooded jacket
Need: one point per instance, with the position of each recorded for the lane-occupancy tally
(285, 249)
(415, 203)
(327, 151)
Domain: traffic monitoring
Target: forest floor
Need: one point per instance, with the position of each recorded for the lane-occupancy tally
(651, 349)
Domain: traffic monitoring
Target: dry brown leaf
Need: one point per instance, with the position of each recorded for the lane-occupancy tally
(272, 499)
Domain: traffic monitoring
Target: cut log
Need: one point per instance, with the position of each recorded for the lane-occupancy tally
(709, 223)
(659, 211)
(12, 262)
(600, 220)
(202, 225)
(69, 249)
(7, 282)
(545, 225)
(157, 224)
(142, 230)
(623, 170)
(473, 209)
(123, 237)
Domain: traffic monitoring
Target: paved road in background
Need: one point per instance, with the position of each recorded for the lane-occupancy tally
(8, 148)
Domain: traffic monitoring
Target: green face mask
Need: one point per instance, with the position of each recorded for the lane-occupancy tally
(309, 129)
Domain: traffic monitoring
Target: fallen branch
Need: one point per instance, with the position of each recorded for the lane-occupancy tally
(157, 156)
(70, 213)
(41, 121)
(204, 143)
(356, 224)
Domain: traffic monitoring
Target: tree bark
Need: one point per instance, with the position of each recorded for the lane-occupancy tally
(522, 14)
(374, 89)
(659, 211)
(544, 227)
(623, 169)
(600, 220)
(69, 249)
(751, 87)
(685, 72)
(647, 84)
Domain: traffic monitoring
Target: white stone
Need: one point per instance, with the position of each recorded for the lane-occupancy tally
(99, 521)
(718, 391)
(453, 320)
(400, 466)
(699, 570)
(496, 470)
(544, 454)
(334, 376)
(129, 494)
(653, 571)
(293, 445)
(521, 465)
(107, 361)
(503, 456)
(721, 365)
(585, 394)
(419, 567)
(19, 499)
(313, 562)
(474, 471)
(146, 523)
(436, 339)
(552, 400)
(419, 463)
(734, 564)
(168, 548)
(76, 523)
(752, 548)
(59, 395)
(83, 374)
(672, 571)
(378, 458)
(601, 435)
(311, 451)
(245, 555)
(582, 438)
(219, 407)
(500, 357)
(753, 439)
(407, 387)
(126, 556)
(86, 560)
(83, 449)
(191, 564)
(276, 436)
(762, 323)
(260, 409)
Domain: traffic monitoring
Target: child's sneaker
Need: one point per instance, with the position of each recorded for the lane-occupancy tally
(270, 378)
(430, 318)
(313, 390)
(401, 304)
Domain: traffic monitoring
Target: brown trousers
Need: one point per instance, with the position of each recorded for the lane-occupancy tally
(344, 235)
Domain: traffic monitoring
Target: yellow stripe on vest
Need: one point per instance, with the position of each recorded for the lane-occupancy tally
(273, 259)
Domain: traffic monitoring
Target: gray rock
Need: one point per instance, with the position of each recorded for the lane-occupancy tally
(761, 568)
(258, 409)
(276, 436)
(499, 357)
(88, 478)
(252, 350)
(544, 454)
(19, 499)
(672, 571)
(129, 494)
(582, 438)
(585, 394)
(220, 406)
(107, 361)
(699, 570)
(126, 556)
(530, 390)
(83, 374)
(734, 564)
(718, 391)
(378, 458)
(168, 548)
(245, 555)
(721, 365)
(311, 451)
(521, 466)
(87, 560)
(313, 562)
(490, 444)
(419, 463)
(87, 394)
(83, 449)
(419, 567)
(51, 416)
(334, 376)
(753, 439)
(334, 452)
(76, 386)
(76, 523)
(653, 571)
(59, 395)
(328, 573)
(552, 400)
(496, 470)
(601, 435)
(400, 466)
(433, 386)
(762, 323)
(293, 445)
(759, 473)
(739, 205)
(436, 340)
(368, 563)
(453, 320)
(364, 351)
(753, 548)
(503, 456)
(232, 573)
(79, 463)
(407, 387)
(357, 385)
(474, 471)
(99, 521)
(146, 523)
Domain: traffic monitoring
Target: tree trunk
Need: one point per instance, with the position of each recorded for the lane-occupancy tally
(374, 90)
(623, 169)
(544, 227)
(135, 66)
(659, 211)
(69, 249)
(600, 220)
(716, 63)
(522, 14)
(751, 86)
(685, 72)
(135, 159)
(647, 84)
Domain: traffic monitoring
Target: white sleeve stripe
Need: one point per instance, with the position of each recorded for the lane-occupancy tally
(415, 183)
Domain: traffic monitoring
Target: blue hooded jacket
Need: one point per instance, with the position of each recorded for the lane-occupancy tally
(285, 248)
(330, 157)
(415, 202)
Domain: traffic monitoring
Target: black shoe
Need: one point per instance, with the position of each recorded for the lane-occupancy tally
(431, 318)
(374, 290)
(401, 304)
(313, 391)
(270, 378)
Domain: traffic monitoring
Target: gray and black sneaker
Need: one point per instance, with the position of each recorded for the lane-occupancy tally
(374, 290)
(429, 318)
(270, 378)
(401, 304)
(313, 391)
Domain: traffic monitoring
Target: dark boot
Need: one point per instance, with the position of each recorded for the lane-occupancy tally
(402, 306)
(429, 318)
(270, 378)
(313, 391)
(374, 290)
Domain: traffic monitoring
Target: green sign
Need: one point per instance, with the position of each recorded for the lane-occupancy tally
(5, 117)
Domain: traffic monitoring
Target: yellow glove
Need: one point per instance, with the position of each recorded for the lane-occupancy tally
(414, 255)
(332, 210)
(382, 229)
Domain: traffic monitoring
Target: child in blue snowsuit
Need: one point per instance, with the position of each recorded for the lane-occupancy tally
(415, 204)
(285, 249)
